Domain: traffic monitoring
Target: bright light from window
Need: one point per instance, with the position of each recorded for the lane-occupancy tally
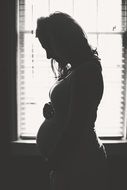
(102, 20)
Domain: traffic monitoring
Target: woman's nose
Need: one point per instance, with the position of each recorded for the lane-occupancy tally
(49, 56)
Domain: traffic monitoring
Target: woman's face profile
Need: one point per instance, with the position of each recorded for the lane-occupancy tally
(53, 51)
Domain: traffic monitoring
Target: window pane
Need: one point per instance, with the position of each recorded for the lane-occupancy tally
(109, 15)
(110, 112)
(37, 70)
(102, 21)
(63, 6)
(85, 12)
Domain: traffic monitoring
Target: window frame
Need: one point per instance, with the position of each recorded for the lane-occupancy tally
(24, 133)
(12, 74)
(28, 147)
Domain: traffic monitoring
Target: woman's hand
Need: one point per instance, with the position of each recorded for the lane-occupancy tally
(48, 111)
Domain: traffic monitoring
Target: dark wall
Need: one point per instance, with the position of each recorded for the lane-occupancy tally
(27, 173)
(30, 173)
(118, 167)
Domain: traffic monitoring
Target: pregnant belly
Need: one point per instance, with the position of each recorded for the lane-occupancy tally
(48, 135)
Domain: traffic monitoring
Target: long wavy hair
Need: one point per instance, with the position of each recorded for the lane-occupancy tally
(69, 37)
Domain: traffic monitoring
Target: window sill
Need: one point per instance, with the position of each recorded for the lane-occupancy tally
(24, 148)
(29, 148)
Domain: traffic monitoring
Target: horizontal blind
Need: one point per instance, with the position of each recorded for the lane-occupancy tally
(112, 108)
(105, 23)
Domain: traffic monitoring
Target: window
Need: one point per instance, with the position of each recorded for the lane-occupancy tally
(105, 23)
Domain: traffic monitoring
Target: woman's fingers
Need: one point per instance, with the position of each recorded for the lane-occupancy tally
(48, 111)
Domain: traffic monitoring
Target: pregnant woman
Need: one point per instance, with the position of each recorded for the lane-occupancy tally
(67, 138)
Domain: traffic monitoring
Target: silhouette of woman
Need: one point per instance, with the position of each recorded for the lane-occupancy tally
(67, 138)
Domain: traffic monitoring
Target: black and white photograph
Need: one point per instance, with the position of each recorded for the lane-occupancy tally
(67, 95)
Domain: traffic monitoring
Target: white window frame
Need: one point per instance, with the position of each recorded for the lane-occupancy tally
(125, 137)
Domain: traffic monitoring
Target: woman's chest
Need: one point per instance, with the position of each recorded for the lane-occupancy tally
(60, 94)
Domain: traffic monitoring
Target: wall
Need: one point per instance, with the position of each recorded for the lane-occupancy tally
(29, 172)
